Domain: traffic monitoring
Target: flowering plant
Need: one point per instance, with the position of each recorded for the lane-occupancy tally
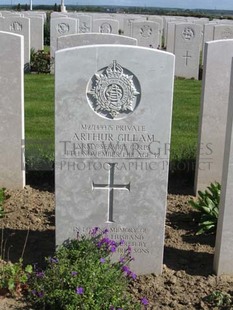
(82, 275)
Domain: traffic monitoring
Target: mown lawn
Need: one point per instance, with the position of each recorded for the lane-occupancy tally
(39, 117)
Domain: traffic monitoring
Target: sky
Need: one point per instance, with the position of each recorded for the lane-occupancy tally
(184, 4)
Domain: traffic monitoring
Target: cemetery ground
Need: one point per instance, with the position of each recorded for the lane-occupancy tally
(187, 279)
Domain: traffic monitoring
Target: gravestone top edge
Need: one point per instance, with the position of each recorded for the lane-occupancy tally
(117, 46)
(11, 34)
(212, 42)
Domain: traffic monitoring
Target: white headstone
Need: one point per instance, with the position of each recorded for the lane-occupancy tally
(85, 23)
(170, 37)
(37, 32)
(159, 20)
(92, 39)
(147, 33)
(128, 28)
(105, 26)
(213, 117)
(187, 50)
(222, 32)
(223, 257)
(12, 111)
(21, 26)
(168, 19)
(113, 122)
(208, 35)
(61, 27)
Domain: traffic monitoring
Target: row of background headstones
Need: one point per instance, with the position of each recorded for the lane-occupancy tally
(182, 36)
(185, 41)
(213, 50)
(30, 25)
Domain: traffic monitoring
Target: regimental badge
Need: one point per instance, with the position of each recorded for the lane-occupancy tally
(114, 93)
(227, 34)
(188, 34)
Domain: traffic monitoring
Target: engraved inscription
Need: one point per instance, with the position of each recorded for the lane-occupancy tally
(105, 28)
(146, 31)
(186, 57)
(133, 237)
(84, 28)
(114, 92)
(16, 26)
(63, 28)
(227, 34)
(110, 186)
(188, 34)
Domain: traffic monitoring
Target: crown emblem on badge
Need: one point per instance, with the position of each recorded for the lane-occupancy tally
(113, 93)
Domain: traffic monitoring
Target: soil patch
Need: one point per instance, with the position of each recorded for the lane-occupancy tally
(188, 259)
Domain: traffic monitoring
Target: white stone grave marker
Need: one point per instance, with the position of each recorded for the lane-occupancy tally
(187, 50)
(12, 111)
(224, 239)
(113, 123)
(213, 115)
(92, 39)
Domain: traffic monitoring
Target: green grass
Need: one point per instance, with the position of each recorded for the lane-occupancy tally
(186, 107)
(39, 106)
(39, 117)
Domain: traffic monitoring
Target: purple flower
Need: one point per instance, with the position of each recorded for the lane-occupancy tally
(102, 260)
(74, 273)
(133, 275)
(105, 231)
(33, 292)
(40, 274)
(122, 260)
(122, 242)
(40, 294)
(129, 249)
(79, 290)
(53, 260)
(144, 301)
(94, 231)
(125, 269)
(113, 249)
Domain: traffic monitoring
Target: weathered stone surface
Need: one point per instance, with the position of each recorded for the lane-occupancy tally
(113, 122)
(187, 50)
(12, 111)
(223, 247)
(105, 26)
(21, 26)
(213, 116)
(92, 39)
(147, 33)
(61, 27)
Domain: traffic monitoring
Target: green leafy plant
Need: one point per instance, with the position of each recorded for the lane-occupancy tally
(208, 204)
(219, 299)
(40, 61)
(14, 277)
(81, 275)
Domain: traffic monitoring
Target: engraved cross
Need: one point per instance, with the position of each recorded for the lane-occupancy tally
(187, 56)
(110, 186)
